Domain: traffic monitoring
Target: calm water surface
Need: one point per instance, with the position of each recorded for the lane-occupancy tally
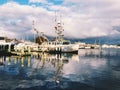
(89, 70)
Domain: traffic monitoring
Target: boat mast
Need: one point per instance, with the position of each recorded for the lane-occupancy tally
(33, 28)
(59, 30)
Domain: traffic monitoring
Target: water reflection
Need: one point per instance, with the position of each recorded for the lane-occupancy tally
(90, 70)
(37, 63)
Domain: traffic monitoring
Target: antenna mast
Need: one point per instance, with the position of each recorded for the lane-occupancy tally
(58, 29)
(33, 23)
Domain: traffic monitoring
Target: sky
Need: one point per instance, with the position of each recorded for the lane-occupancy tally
(80, 18)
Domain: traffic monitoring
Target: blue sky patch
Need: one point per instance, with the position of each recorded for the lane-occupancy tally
(23, 2)
(3, 2)
(55, 2)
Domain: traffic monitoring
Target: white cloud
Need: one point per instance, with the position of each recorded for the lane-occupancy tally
(37, 1)
(94, 16)
(82, 18)
(18, 19)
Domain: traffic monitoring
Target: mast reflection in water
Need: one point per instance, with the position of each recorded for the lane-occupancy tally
(92, 69)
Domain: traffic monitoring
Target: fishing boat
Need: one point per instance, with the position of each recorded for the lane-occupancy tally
(59, 44)
(59, 47)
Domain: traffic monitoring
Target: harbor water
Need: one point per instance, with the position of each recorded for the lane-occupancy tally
(90, 69)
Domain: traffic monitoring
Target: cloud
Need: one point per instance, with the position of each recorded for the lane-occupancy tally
(18, 19)
(93, 16)
(81, 18)
(37, 1)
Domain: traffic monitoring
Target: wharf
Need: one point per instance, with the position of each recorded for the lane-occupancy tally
(21, 53)
(5, 53)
